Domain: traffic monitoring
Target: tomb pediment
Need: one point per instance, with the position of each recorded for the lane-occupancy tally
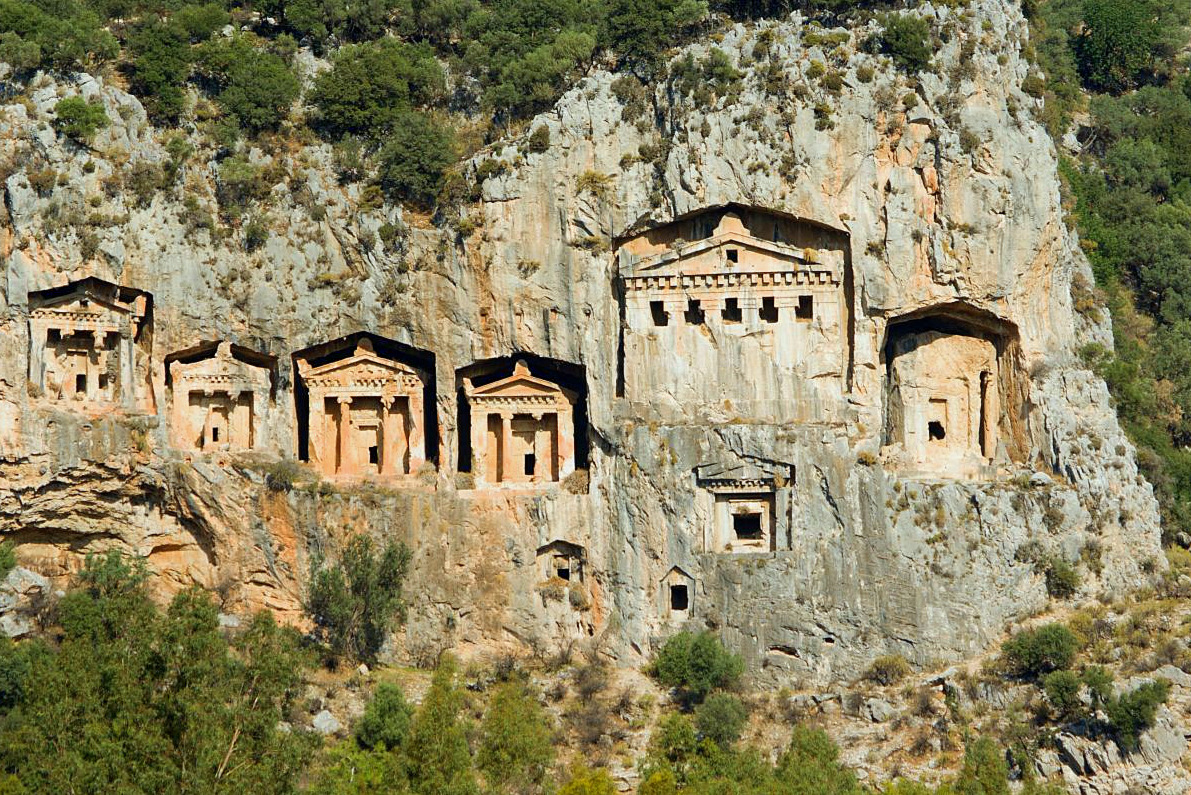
(364, 369)
(89, 305)
(220, 371)
(521, 386)
(742, 476)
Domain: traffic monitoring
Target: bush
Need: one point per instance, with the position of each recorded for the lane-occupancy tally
(984, 771)
(436, 759)
(907, 40)
(811, 765)
(372, 86)
(516, 748)
(721, 718)
(1062, 580)
(415, 159)
(21, 55)
(1033, 652)
(1062, 691)
(539, 139)
(68, 35)
(8, 558)
(696, 664)
(888, 670)
(160, 64)
(586, 781)
(637, 28)
(355, 604)
(79, 119)
(1132, 713)
(255, 86)
(256, 232)
(1117, 43)
(386, 719)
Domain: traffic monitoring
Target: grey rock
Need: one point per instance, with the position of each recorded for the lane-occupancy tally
(326, 724)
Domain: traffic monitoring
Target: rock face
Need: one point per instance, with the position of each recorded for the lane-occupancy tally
(821, 347)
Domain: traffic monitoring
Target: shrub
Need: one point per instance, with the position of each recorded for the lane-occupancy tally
(355, 603)
(200, 22)
(21, 55)
(79, 119)
(721, 718)
(1033, 652)
(907, 40)
(1132, 713)
(1117, 42)
(386, 719)
(696, 664)
(415, 158)
(255, 86)
(539, 139)
(8, 558)
(160, 63)
(811, 765)
(372, 86)
(888, 670)
(984, 771)
(586, 781)
(68, 35)
(1062, 580)
(515, 747)
(636, 28)
(1062, 691)
(256, 232)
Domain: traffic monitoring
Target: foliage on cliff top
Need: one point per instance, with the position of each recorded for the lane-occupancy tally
(1130, 196)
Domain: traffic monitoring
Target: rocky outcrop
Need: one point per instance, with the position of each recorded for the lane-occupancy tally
(933, 202)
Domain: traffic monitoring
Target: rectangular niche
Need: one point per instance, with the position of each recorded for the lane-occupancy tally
(743, 523)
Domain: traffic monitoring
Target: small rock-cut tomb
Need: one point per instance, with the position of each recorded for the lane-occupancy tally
(522, 429)
(944, 402)
(365, 415)
(748, 500)
(219, 402)
(83, 342)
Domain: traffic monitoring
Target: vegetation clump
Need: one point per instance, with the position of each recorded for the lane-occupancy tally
(696, 665)
(1034, 652)
(79, 119)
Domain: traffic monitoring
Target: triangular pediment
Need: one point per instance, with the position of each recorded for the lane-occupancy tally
(521, 384)
(673, 259)
(740, 472)
(369, 363)
(85, 302)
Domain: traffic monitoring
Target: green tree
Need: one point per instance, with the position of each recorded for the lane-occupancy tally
(371, 86)
(634, 28)
(255, 86)
(516, 748)
(1118, 42)
(161, 63)
(586, 781)
(67, 33)
(386, 719)
(355, 604)
(721, 718)
(435, 756)
(907, 40)
(78, 119)
(696, 664)
(1132, 713)
(415, 158)
(810, 766)
(1033, 652)
(984, 771)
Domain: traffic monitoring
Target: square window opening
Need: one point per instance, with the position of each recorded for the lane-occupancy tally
(215, 434)
(80, 384)
(769, 310)
(679, 597)
(694, 313)
(935, 431)
(747, 526)
(658, 311)
(806, 308)
(733, 255)
(731, 312)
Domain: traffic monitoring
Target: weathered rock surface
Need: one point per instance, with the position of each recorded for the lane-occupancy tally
(876, 559)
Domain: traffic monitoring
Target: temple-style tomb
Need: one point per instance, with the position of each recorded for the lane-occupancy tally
(522, 429)
(219, 401)
(84, 341)
(365, 415)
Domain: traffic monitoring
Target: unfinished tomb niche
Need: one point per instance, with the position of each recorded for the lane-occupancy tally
(754, 297)
(219, 397)
(89, 344)
(748, 504)
(524, 429)
(952, 407)
(366, 413)
(562, 560)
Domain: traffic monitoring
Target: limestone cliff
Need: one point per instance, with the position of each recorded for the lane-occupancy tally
(930, 209)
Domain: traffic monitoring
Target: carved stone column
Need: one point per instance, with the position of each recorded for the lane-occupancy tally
(38, 331)
(480, 454)
(316, 433)
(543, 449)
(417, 434)
(506, 447)
(566, 442)
(346, 456)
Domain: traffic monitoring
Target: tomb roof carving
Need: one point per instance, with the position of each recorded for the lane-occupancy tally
(221, 370)
(90, 305)
(364, 369)
(747, 475)
(521, 387)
